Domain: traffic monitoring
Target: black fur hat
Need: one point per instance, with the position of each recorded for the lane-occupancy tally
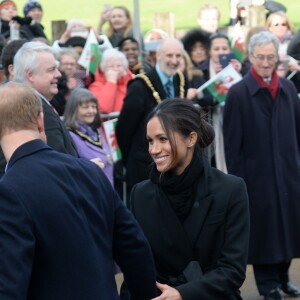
(194, 36)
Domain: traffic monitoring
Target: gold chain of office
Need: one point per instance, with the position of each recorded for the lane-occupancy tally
(155, 93)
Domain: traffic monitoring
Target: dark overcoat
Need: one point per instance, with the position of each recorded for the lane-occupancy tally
(131, 127)
(262, 145)
(215, 235)
(61, 226)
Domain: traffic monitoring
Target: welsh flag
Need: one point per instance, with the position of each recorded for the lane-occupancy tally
(237, 42)
(110, 133)
(90, 54)
(95, 58)
(219, 85)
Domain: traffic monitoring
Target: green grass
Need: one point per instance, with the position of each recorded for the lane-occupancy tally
(185, 11)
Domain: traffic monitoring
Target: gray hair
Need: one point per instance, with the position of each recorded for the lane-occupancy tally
(263, 38)
(26, 59)
(67, 51)
(113, 53)
(77, 97)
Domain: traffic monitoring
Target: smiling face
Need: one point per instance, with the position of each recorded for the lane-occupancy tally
(169, 57)
(264, 59)
(44, 78)
(118, 19)
(86, 112)
(131, 51)
(161, 151)
(279, 26)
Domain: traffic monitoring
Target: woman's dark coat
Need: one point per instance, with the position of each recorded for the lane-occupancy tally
(262, 145)
(214, 236)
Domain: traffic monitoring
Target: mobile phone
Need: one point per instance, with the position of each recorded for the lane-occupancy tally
(225, 59)
(106, 7)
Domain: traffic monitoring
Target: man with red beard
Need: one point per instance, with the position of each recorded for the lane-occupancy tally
(143, 94)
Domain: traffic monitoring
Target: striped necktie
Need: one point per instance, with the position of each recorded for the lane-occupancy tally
(168, 89)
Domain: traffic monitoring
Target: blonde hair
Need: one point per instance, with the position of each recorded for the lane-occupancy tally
(19, 108)
(110, 31)
(189, 67)
(283, 15)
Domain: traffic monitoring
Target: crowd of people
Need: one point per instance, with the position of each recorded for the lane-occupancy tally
(210, 186)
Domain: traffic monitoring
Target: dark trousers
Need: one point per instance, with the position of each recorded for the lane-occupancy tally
(270, 277)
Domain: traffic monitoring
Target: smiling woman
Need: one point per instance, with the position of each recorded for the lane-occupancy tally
(84, 123)
(202, 211)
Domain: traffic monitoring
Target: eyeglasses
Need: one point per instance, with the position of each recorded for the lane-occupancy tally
(279, 24)
(261, 58)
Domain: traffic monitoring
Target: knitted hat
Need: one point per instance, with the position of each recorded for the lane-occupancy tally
(7, 2)
(31, 4)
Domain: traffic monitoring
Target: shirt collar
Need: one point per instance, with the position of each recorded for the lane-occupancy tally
(163, 78)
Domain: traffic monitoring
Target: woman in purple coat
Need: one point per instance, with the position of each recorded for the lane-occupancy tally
(84, 123)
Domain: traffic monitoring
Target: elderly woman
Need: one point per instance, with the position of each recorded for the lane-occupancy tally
(111, 80)
(84, 123)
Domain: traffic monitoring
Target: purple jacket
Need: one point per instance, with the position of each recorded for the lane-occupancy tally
(87, 150)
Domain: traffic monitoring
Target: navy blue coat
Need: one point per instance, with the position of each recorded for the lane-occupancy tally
(262, 145)
(61, 226)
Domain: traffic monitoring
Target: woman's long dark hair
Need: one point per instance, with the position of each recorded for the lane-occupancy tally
(183, 117)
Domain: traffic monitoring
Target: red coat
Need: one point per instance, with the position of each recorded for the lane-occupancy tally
(110, 96)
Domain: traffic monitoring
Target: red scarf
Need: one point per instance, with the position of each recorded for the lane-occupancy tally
(272, 87)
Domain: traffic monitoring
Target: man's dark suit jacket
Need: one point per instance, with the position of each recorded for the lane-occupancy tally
(131, 126)
(57, 134)
(61, 226)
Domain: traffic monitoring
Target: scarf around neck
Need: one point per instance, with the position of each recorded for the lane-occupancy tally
(180, 189)
(272, 87)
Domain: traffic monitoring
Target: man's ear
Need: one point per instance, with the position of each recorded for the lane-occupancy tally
(40, 122)
(29, 76)
(10, 69)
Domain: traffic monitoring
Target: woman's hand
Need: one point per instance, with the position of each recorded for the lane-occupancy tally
(168, 293)
(191, 94)
(218, 67)
(112, 75)
(98, 162)
(236, 65)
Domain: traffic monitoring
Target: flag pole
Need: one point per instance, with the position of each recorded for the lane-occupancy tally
(136, 21)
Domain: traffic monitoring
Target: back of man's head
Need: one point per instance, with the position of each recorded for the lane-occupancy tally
(26, 59)
(19, 108)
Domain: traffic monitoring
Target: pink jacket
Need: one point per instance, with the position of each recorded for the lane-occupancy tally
(110, 96)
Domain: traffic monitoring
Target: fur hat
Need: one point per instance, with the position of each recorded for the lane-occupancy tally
(7, 2)
(75, 41)
(194, 36)
(31, 4)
